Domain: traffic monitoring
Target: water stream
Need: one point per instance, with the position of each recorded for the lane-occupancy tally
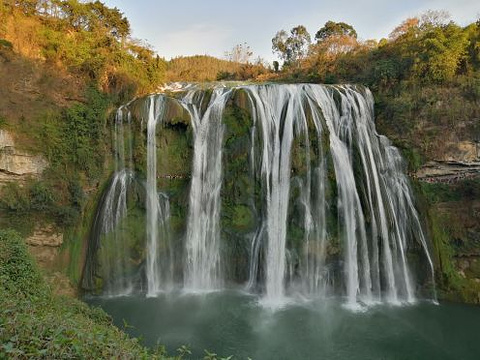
(336, 215)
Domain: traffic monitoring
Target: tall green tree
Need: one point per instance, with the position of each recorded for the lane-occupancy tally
(292, 47)
(332, 28)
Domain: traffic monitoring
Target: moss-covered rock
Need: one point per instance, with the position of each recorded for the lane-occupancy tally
(239, 217)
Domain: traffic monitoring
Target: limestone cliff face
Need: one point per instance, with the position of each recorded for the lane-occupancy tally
(462, 151)
(44, 245)
(448, 171)
(16, 165)
(460, 160)
(453, 182)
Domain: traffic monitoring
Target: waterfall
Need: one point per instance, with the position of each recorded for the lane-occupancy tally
(202, 259)
(112, 235)
(370, 183)
(114, 250)
(275, 110)
(335, 214)
(388, 195)
(159, 269)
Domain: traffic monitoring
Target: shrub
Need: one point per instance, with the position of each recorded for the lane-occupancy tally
(14, 198)
(36, 324)
(18, 272)
(66, 216)
(5, 44)
(41, 196)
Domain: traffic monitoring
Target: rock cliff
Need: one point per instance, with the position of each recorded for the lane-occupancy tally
(17, 165)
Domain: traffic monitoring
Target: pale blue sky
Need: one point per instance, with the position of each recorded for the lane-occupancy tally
(189, 27)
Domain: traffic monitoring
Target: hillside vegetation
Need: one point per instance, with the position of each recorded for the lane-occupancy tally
(202, 68)
(36, 324)
(87, 39)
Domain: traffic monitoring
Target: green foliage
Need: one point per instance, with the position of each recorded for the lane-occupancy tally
(438, 192)
(73, 139)
(5, 44)
(293, 47)
(92, 40)
(41, 199)
(18, 272)
(453, 286)
(73, 142)
(184, 350)
(332, 28)
(425, 50)
(14, 198)
(34, 323)
(41, 196)
(413, 158)
(440, 50)
(212, 356)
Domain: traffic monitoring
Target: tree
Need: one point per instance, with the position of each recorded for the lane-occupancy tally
(335, 29)
(408, 26)
(335, 38)
(240, 53)
(293, 47)
(434, 18)
(111, 19)
(440, 52)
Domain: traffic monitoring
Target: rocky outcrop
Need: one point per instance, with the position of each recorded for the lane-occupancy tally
(448, 171)
(462, 151)
(17, 165)
(44, 244)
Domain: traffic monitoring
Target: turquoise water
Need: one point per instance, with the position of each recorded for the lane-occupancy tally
(234, 323)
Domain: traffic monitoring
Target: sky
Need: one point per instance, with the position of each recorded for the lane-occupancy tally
(190, 27)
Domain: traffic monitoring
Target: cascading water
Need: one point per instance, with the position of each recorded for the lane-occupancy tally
(111, 234)
(368, 175)
(352, 130)
(202, 246)
(114, 250)
(335, 211)
(276, 109)
(159, 269)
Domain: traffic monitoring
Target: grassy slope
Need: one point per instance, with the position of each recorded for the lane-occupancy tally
(36, 324)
